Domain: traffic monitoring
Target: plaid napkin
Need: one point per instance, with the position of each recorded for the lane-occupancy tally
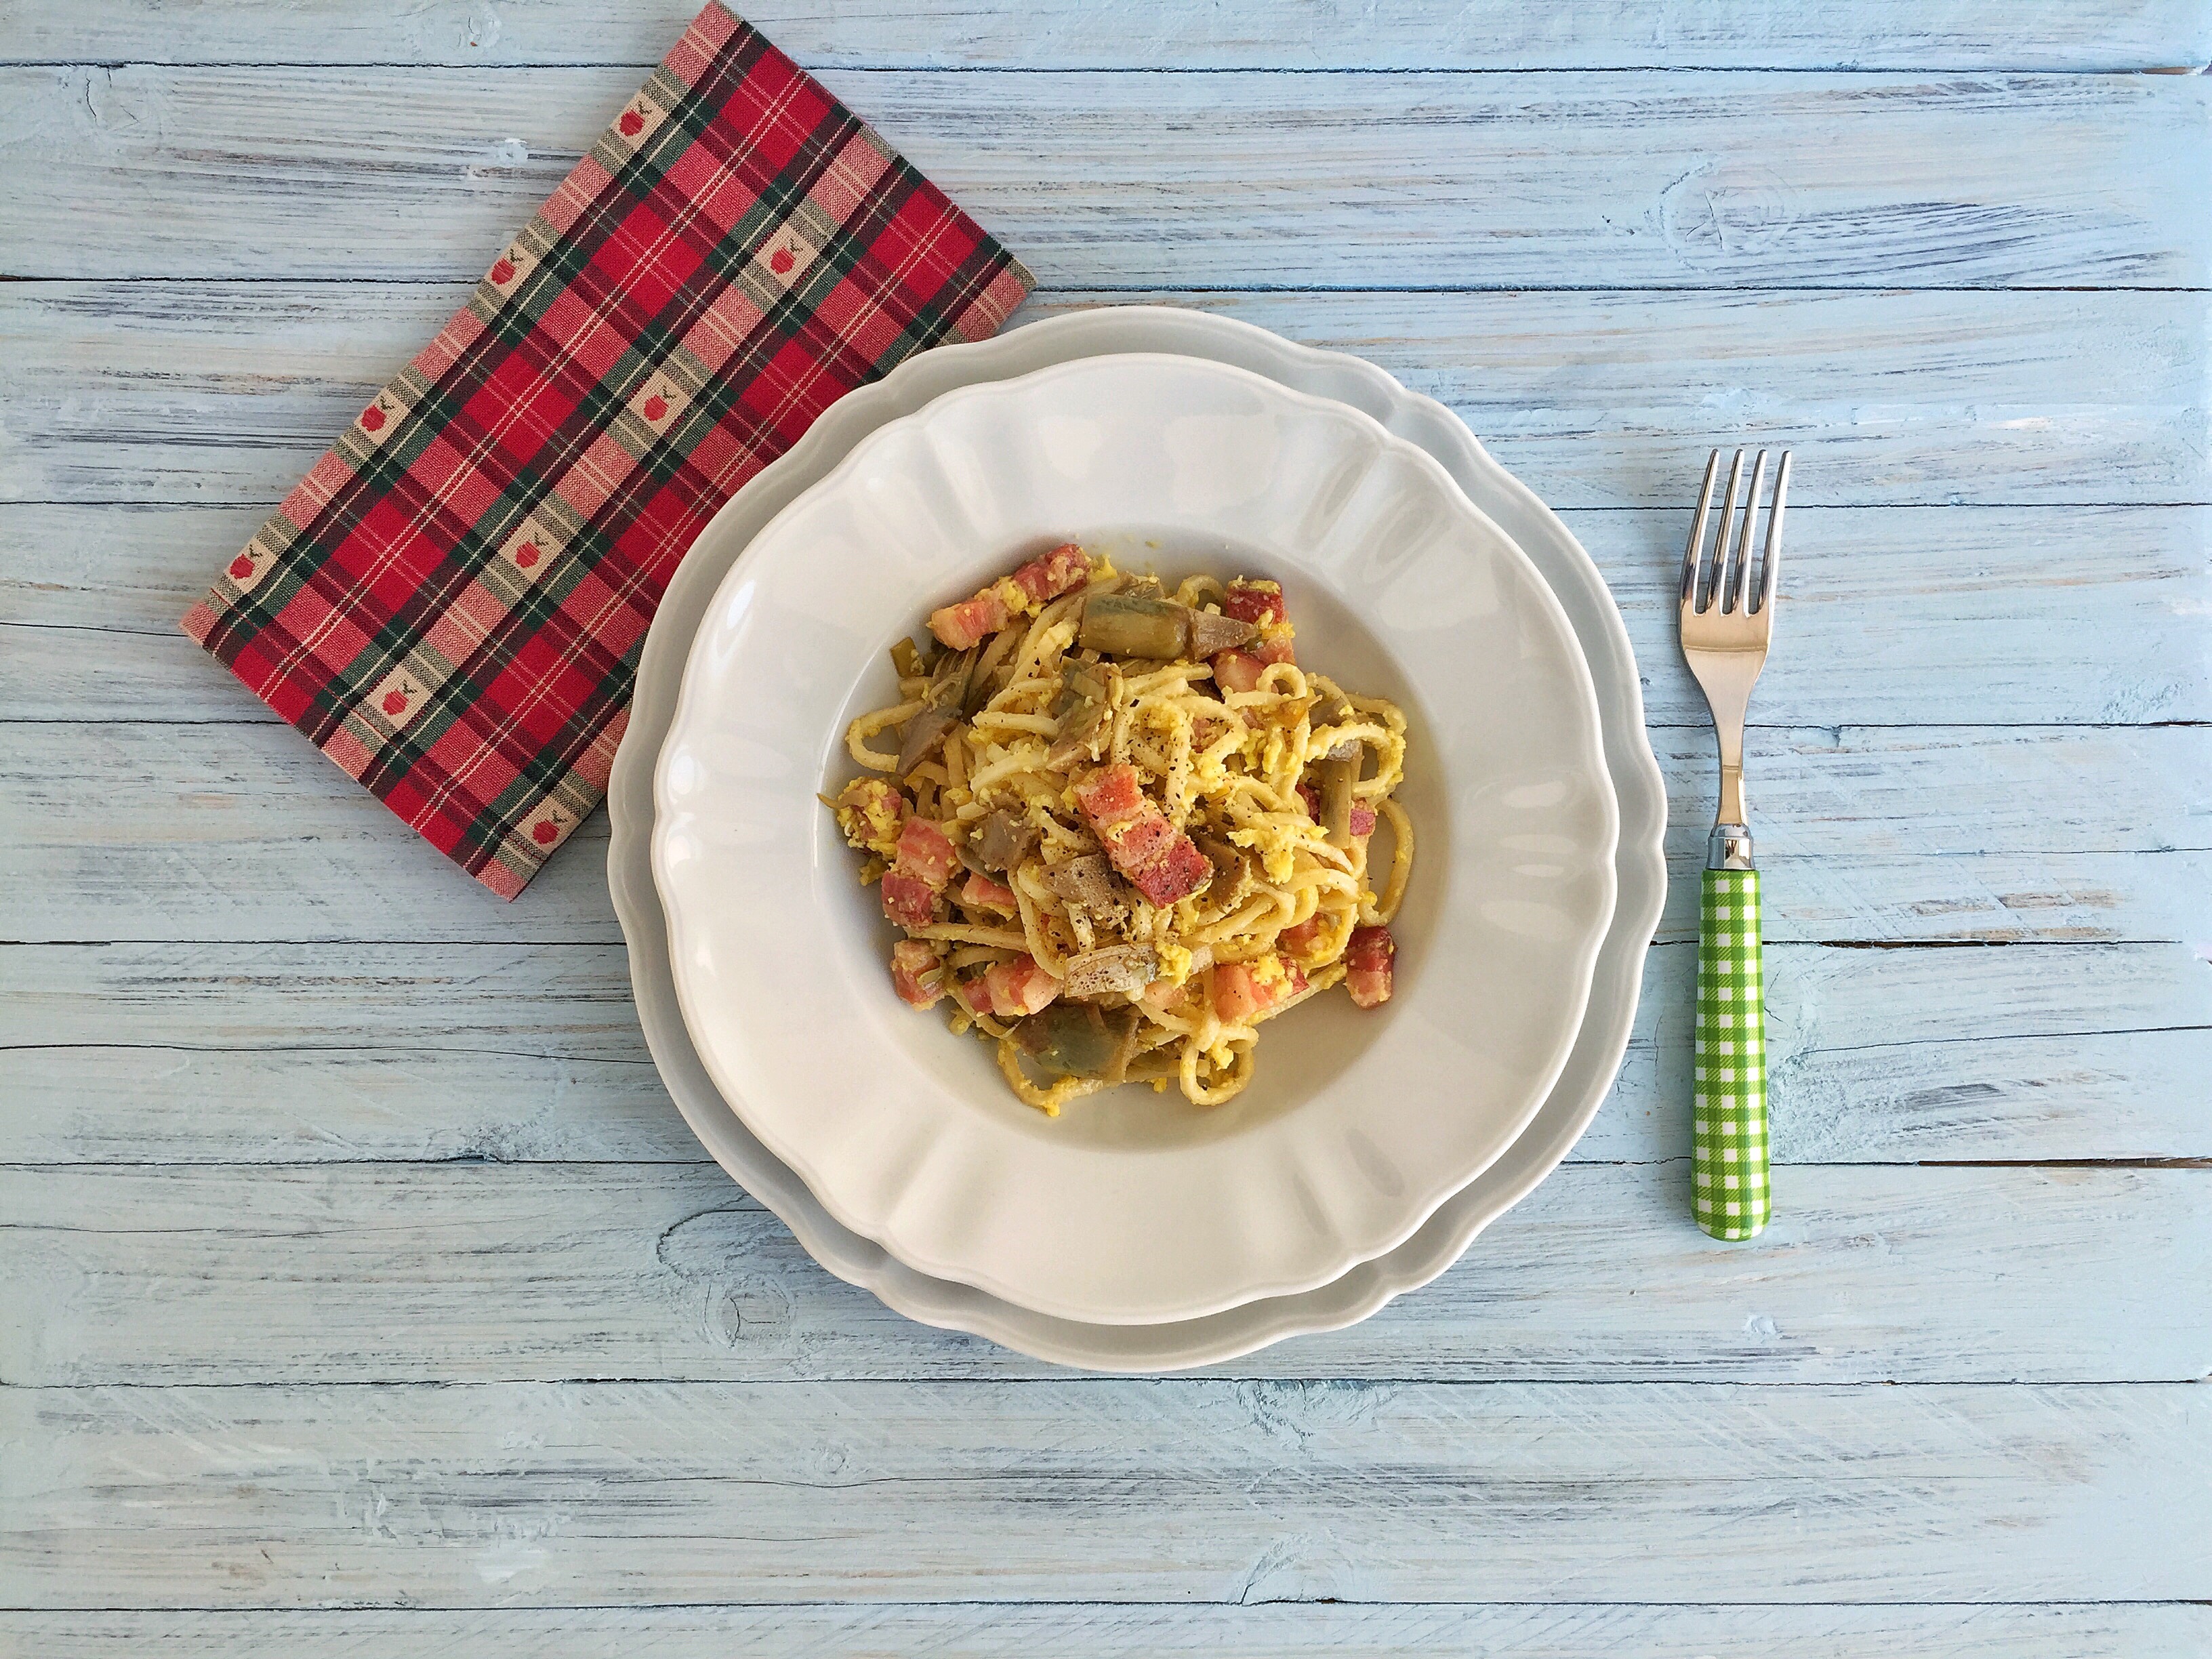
(451, 603)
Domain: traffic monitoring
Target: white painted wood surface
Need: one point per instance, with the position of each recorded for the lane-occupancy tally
(361, 1289)
(1618, 179)
(1294, 34)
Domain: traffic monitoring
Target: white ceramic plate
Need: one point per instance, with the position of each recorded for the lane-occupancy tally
(1135, 1207)
(1638, 860)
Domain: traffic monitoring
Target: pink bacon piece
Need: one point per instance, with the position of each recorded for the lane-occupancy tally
(924, 864)
(1019, 988)
(982, 893)
(1239, 992)
(1163, 863)
(916, 975)
(1236, 671)
(1261, 604)
(1043, 578)
(1368, 958)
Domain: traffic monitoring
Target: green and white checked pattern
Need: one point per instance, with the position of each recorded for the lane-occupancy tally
(1729, 1118)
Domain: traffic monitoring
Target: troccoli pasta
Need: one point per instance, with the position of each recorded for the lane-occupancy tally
(1123, 829)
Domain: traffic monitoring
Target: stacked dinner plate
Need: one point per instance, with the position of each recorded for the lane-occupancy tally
(1136, 1231)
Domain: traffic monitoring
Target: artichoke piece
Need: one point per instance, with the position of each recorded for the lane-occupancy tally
(924, 736)
(1124, 968)
(948, 681)
(905, 658)
(1085, 883)
(1087, 702)
(1333, 779)
(1156, 630)
(1080, 1039)
(1120, 625)
(1211, 632)
(1001, 839)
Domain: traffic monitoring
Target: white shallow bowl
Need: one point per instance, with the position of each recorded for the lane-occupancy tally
(1134, 1208)
(1639, 859)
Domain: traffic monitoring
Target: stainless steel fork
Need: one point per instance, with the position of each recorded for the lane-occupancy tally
(1728, 623)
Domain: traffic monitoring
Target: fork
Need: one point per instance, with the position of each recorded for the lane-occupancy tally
(1728, 623)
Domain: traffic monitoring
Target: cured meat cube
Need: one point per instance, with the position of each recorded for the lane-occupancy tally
(916, 973)
(1177, 873)
(971, 620)
(1139, 842)
(1019, 988)
(1250, 600)
(1110, 795)
(982, 893)
(1043, 578)
(1237, 671)
(1244, 989)
(1159, 859)
(926, 854)
(1050, 574)
(1368, 958)
(909, 901)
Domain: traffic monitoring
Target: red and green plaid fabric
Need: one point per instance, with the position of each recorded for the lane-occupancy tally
(451, 603)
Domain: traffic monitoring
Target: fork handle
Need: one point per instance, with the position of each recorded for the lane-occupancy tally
(1728, 1115)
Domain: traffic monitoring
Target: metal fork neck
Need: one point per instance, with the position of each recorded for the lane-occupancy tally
(1728, 847)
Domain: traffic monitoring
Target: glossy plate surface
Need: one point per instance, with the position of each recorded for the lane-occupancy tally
(1133, 1207)
(1638, 860)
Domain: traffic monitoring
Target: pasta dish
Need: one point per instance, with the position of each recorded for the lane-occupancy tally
(1123, 828)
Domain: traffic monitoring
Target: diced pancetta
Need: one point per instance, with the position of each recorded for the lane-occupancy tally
(1244, 989)
(916, 973)
(1368, 962)
(982, 893)
(1043, 578)
(1019, 988)
(1237, 671)
(909, 901)
(1159, 859)
(925, 852)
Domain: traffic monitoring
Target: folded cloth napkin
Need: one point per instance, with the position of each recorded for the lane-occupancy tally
(451, 603)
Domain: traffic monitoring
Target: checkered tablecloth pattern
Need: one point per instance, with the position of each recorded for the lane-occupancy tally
(451, 603)
(1728, 1176)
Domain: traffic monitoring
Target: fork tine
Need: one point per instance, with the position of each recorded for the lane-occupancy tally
(1738, 579)
(1713, 590)
(1771, 561)
(1698, 531)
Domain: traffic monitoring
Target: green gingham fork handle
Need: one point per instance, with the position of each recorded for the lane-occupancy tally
(1728, 1116)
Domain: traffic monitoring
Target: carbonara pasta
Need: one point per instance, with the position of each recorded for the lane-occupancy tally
(1122, 829)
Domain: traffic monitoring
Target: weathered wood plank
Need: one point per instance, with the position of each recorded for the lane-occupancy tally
(1640, 179)
(1179, 34)
(311, 1053)
(477, 1272)
(226, 391)
(1070, 1631)
(139, 831)
(1094, 1491)
(1986, 616)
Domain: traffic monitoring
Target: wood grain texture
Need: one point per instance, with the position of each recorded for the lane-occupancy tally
(478, 1273)
(1627, 180)
(1101, 1490)
(226, 391)
(1279, 1631)
(135, 831)
(1981, 616)
(292, 1053)
(308, 1241)
(1173, 35)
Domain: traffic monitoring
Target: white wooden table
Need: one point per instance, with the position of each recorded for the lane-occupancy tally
(363, 1292)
